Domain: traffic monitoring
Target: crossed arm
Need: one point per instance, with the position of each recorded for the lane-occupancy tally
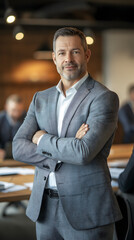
(80, 149)
(24, 143)
(80, 133)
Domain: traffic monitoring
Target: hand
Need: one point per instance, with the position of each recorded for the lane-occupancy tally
(2, 154)
(82, 131)
(37, 135)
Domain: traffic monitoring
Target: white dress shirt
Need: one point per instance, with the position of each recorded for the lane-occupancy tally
(62, 106)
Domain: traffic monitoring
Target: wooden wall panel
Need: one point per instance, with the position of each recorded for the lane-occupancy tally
(20, 73)
(25, 90)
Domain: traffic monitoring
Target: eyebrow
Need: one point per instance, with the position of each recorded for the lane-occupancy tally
(76, 49)
(60, 50)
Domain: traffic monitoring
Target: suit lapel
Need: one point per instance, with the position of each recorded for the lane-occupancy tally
(82, 92)
(52, 111)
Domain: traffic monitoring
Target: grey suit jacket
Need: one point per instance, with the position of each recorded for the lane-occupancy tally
(83, 180)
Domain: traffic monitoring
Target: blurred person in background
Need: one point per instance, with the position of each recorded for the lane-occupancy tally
(126, 178)
(126, 117)
(11, 119)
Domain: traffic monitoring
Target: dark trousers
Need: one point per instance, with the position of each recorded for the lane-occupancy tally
(53, 225)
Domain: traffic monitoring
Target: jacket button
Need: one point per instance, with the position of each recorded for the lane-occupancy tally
(46, 166)
(45, 178)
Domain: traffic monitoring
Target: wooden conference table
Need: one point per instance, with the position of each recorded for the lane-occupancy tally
(12, 163)
(121, 152)
(17, 195)
(16, 179)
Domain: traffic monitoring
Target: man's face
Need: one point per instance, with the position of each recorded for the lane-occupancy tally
(70, 58)
(14, 110)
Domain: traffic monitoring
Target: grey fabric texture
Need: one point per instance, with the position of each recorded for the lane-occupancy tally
(83, 180)
(53, 224)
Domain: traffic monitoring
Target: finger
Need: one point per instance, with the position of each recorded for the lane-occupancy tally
(81, 134)
(83, 128)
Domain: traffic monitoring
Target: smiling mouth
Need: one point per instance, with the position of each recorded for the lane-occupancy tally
(72, 67)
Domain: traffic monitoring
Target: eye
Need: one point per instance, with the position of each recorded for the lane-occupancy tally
(61, 53)
(76, 52)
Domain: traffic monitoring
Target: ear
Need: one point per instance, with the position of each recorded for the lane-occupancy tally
(54, 57)
(88, 54)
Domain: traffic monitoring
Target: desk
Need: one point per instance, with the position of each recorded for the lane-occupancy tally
(119, 156)
(11, 163)
(120, 151)
(18, 195)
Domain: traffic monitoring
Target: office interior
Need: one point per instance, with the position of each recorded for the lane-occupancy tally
(26, 65)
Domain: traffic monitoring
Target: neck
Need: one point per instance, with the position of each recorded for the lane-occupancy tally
(67, 84)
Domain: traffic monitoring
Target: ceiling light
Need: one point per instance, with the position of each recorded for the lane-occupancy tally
(89, 40)
(18, 33)
(89, 36)
(10, 15)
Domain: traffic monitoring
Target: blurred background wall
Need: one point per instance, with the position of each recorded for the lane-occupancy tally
(111, 24)
(21, 73)
(118, 61)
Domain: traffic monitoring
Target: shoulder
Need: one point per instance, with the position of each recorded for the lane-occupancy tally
(102, 100)
(99, 88)
(3, 118)
(124, 109)
(101, 92)
(45, 92)
(2, 114)
(125, 106)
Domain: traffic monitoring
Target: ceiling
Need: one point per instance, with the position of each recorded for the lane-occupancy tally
(96, 14)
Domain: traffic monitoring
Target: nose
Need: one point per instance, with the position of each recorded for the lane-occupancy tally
(68, 57)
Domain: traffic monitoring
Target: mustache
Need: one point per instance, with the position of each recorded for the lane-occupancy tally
(70, 65)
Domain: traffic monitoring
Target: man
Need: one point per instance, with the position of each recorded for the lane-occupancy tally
(126, 201)
(126, 117)
(126, 178)
(67, 135)
(10, 121)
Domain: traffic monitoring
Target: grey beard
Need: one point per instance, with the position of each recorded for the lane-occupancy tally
(71, 76)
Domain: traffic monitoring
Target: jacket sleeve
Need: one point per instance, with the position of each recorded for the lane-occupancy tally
(23, 148)
(102, 121)
(126, 178)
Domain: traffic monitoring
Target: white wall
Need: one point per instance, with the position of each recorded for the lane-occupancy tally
(118, 61)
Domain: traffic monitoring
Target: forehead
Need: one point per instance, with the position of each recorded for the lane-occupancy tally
(12, 104)
(64, 42)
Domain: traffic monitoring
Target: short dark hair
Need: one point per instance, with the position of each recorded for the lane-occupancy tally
(69, 31)
(131, 89)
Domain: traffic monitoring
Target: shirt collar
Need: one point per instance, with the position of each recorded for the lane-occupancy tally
(75, 87)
